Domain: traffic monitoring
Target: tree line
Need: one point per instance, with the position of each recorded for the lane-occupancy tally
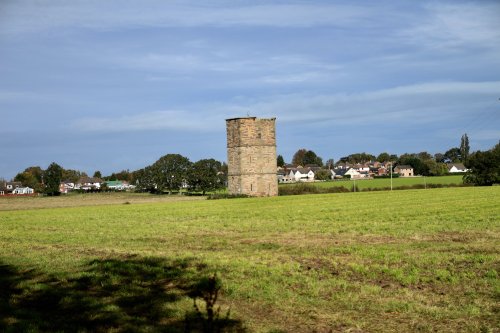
(169, 173)
(174, 171)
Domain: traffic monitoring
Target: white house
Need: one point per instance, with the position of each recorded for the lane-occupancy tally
(119, 185)
(301, 175)
(9, 187)
(456, 168)
(66, 187)
(89, 183)
(23, 190)
(353, 173)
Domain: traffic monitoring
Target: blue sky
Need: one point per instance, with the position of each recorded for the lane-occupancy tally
(113, 85)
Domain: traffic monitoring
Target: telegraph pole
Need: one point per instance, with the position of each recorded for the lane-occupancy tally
(391, 176)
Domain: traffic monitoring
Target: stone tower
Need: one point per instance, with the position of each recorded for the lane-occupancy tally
(251, 156)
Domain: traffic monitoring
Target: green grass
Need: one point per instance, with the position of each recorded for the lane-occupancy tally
(87, 199)
(418, 260)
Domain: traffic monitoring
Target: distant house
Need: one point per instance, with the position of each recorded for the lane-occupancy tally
(355, 174)
(381, 171)
(89, 183)
(15, 188)
(283, 176)
(66, 186)
(342, 172)
(343, 165)
(301, 174)
(23, 191)
(374, 171)
(338, 172)
(9, 187)
(456, 168)
(404, 170)
(118, 185)
(361, 168)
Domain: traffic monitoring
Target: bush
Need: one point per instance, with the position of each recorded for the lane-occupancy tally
(298, 188)
(304, 188)
(336, 189)
(394, 175)
(217, 196)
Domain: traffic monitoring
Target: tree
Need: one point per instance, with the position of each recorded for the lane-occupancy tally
(384, 157)
(144, 180)
(440, 158)
(97, 174)
(125, 175)
(310, 157)
(72, 175)
(437, 168)
(452, 155)
(280, 161)
(322, 174)
(170, 172)
(298, 157)
(35, 171)
(484, 167)
(330, 163)
(464, 148)
(424, 156)
(31, 177)
(360, 158)
(419, 167)
(204, 176)
(52, 179)
(28, 179)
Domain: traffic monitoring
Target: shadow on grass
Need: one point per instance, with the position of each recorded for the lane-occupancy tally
(122, 295)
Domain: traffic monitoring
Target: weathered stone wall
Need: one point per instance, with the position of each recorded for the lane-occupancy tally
(251, 151)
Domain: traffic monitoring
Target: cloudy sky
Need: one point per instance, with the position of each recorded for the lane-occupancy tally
(113, 85)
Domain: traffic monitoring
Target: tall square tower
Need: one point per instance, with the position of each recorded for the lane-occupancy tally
(251, 156)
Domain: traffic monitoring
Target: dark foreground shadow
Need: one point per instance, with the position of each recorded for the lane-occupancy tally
(119, 295)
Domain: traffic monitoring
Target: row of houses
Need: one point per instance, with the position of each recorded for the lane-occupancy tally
(297, 174)
(287, 174)
(83, 184)
(290, 173)
(15, 188)
(90, 184)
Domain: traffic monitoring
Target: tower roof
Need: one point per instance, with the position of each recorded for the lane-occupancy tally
(252, 118)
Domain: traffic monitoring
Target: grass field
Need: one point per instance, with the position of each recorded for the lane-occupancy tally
(386, 182)
(402, 261)
(90, 199)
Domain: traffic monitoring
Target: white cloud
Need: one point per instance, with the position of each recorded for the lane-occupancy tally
(164, 62)
(421, 103)
(9, 96)
(146, 121)
(486, 135)
(430, 103)
(293, 78)
(454, 26)
(30, 16)
(254, 65)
